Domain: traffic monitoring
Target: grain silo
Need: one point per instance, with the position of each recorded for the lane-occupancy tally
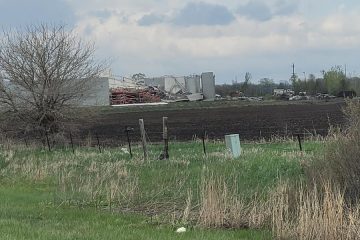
(192, 83)
(208, 85)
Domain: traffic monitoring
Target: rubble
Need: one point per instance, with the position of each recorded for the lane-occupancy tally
(323, 96)
(121, 95)
(298, 98)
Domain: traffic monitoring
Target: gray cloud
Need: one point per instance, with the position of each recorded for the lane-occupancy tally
(19, 12)
(285, 7)
(201, 13)
(255, 10)
(151, 19)
(260, 11)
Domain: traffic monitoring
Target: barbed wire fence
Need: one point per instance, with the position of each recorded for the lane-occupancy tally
(126, 139)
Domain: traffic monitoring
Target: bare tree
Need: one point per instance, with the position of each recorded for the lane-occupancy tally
(45, 70)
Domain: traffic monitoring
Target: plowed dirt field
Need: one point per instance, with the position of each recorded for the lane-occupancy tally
(251, 121)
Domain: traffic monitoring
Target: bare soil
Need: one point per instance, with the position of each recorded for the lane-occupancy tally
(252, 121)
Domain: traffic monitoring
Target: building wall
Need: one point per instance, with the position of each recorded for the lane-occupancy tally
(174, 84)
(99, 93)
(155, 82)
(192, 83)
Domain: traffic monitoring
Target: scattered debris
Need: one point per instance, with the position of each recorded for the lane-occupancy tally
(283, 94)
(251, 99)
(195, 97)
(134, 95)
(181, 230)
(125, 150)
(298, 98)
(280, 92)
(323, 96)
(140, 104)
(163, 89)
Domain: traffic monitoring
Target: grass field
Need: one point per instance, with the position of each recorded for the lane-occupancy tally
(108, 195)
(27, 212)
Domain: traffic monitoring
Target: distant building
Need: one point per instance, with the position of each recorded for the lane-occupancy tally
(194, 85)
(208, 85)
(99, 94)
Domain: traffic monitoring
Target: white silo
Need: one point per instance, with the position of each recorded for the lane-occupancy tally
(208, 85)
(192, 84)
(197, 83)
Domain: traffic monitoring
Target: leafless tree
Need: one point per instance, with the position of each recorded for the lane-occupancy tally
(45, 70)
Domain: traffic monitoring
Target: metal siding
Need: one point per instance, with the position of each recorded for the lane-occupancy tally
(208, 85)
(155, 82)
(99, 94)
(193, 84)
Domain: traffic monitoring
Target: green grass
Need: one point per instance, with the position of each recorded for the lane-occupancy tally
(61, 195)
(26, 212)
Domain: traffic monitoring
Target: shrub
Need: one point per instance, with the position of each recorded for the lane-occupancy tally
(340, 163)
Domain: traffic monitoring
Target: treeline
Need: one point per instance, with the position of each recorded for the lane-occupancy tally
(265, 87)
(333, 81)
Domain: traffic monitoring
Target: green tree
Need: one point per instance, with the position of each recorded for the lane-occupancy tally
(297, 84)
(138, 76)
(335, 80)
(354, 84)
(267, 86)
(311, 84)
(245, 85)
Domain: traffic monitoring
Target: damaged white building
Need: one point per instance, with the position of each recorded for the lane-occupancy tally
(173, 88)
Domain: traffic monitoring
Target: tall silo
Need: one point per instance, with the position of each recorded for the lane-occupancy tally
(192, 84)
(197, 83)
(208, 85)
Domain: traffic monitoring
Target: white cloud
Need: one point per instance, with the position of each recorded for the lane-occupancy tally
(288, 36)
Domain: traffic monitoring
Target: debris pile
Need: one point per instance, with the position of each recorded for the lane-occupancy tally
(324, 96)
(134, 95)
(139, 90)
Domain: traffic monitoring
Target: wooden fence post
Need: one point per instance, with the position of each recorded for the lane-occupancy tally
(72, 143)
(26, 143)
(203, 141)
(299, 139)
(143, 138)
(165, 138)
(47, 140)
(98, 142)
(127, 130)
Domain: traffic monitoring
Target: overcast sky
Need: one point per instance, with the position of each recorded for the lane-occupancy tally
(229, 37)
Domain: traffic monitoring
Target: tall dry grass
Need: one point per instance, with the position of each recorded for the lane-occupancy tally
(291, 212)
(221, 205)
(340, 163)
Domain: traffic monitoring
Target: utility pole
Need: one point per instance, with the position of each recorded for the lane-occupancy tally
(293, 71)
(293, 76)
(345, 72)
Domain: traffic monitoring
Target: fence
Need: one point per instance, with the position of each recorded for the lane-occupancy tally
(133, 135)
